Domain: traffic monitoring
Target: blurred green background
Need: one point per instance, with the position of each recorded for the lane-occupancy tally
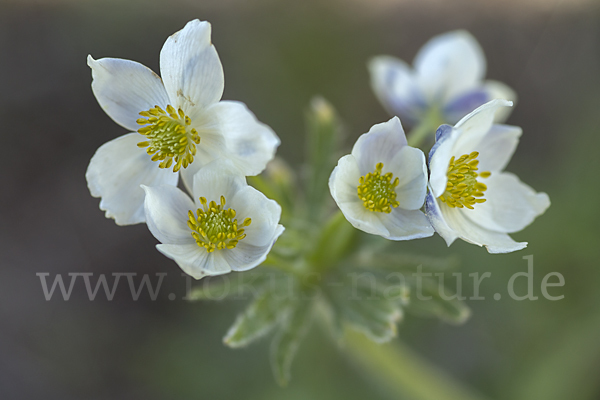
(276, 56)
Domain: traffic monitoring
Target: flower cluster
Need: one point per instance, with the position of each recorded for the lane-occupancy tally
(467, 194)
(178, 125)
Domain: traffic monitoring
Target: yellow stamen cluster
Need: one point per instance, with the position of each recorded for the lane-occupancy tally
(463, 189)
(169, 139)
(378, 191)
(215, 227)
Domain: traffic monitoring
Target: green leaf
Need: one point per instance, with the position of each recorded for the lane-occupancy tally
(368, 305)
(257, 320)
(431, 302)
(285, 344)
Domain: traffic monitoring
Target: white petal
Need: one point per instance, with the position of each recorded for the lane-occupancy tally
(497, 147)
(217, 179)
(343, 184)
(475, 126)
(408, 165)
(511, 205)
(436, 218)
(439, 158)
(212, 145)
(498, 90)
(449, 64)
(115, 174)
(187, 174)
(394, 85)
(246, 256)
(124, 88)
(166, 209)
(405, 224)
(495, 242)
(380, 144)
(195, 260)
(471, 134)
(250, 144)
(265, 214)
(191, 69)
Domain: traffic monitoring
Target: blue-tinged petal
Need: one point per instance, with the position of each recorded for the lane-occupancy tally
(441, 134)
(115, 174)
(437, 221)
(439, 158)
(474, 132)
(464, 103)
(448, 65)
(394, 85)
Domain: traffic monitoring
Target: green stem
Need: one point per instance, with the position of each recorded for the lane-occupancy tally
(334, 242)
(426, 128)
(404, 372)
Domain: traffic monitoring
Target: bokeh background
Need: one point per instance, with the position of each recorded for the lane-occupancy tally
(276, 56)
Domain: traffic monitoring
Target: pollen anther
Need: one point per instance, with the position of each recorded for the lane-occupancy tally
(463, 189)
(168, 137)
(214, 227)
(378, 190)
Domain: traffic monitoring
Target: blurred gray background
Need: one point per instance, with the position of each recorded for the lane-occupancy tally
(276, 56)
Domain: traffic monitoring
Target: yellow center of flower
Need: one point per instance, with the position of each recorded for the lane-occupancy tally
(169, 139)
(463, 189)
(378, 191)
(215, 227)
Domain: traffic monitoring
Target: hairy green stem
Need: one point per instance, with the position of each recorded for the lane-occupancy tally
(404, 372)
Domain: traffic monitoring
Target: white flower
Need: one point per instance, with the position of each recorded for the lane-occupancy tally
(230, 227)
(381, 186)
(447, 78)
(181, 124)
(470, 197)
